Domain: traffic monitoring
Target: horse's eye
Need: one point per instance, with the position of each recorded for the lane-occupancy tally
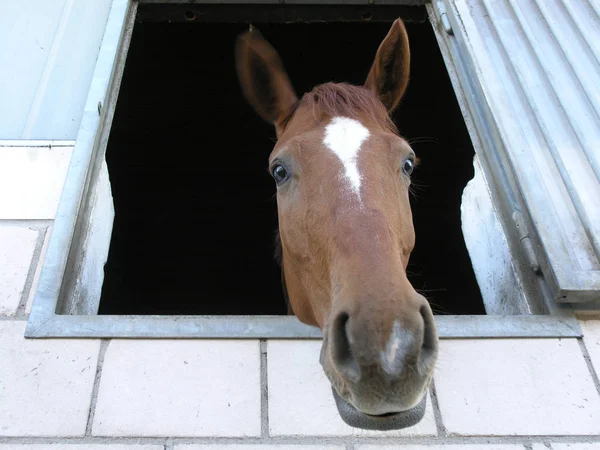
(408, 166)
(279, 173)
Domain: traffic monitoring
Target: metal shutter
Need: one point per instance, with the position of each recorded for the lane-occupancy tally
(530, 73)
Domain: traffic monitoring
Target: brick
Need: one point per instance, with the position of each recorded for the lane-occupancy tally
(179, 388)
(45, 385)
(79, 447)
(38, 269)
(591, 446)
(300, 398)
(591, 338)
(17, 245)
(442, 447)
(516, 387)
(258, 447)
(34, 176)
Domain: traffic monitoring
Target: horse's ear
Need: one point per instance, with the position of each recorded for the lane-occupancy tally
(389, 74)
(264, 81)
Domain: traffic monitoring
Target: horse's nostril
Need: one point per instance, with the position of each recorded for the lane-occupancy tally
(341, 351)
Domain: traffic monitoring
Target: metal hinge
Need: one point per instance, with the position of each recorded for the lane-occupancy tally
(444, 20)
(526, 242)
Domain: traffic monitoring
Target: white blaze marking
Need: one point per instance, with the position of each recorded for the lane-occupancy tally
(344, 136)
(397, 349)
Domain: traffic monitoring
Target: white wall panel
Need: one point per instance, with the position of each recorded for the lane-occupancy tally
(48, 50)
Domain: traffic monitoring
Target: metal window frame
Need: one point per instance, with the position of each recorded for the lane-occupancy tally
(88, 155)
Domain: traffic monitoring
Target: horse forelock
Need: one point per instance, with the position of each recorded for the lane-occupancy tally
(347, 100)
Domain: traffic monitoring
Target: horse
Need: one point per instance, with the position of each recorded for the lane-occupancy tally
(342, 175)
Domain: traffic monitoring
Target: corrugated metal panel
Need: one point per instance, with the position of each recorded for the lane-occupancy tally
(48, 50)
(536, 68)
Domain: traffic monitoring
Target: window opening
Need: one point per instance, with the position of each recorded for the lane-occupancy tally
(195, 212)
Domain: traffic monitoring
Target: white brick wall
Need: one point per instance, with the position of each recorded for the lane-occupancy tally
(45, 386)
(31, 179)
(591, 329)
(203, 394)
(179, 388)
(79, 447)
(17, 245)
(442, 447)
(555, 446)
(496, 387)
(258, 447)
(89, 394)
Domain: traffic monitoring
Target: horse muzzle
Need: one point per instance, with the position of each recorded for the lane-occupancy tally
(385, 422)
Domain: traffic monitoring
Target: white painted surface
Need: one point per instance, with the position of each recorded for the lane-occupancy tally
(27, 30)
(577, 446)
(301, 401)
(258, 447)
(591, 337)
(344, 137)
(37, 143)
(52, 46)
(179, 388)
(80, 447)
(45, 386)
(93, 251)
(495, 387)
(31, 181)
(486, 242)
(442, 447)
(17, 245)
(588, 446)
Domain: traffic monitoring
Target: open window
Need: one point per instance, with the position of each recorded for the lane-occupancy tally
(166, 225)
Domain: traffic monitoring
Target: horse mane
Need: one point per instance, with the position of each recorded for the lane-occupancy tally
(347, 100)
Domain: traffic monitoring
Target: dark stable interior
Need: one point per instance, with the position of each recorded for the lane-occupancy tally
(195, 208)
